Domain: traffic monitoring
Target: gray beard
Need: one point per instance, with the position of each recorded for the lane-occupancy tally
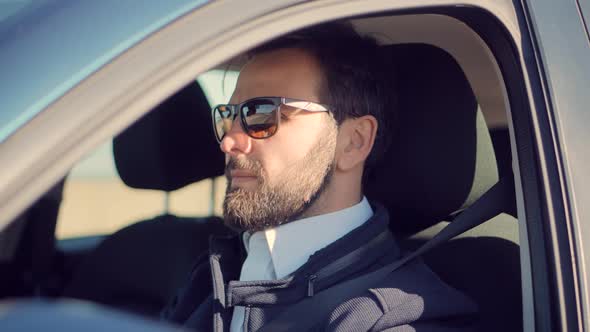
(295, 191)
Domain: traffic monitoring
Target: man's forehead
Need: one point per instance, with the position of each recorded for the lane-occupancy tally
(286, 72)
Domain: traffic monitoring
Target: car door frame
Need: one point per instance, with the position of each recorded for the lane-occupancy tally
(564, 70)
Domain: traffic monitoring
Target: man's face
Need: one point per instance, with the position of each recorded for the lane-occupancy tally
(273, 181)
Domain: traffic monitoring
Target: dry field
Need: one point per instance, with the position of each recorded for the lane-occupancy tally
(104, 205)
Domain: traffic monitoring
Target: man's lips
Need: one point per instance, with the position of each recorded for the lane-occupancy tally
(239, 176)
(242, 173)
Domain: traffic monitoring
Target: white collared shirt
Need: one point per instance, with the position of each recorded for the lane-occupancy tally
(275, 253)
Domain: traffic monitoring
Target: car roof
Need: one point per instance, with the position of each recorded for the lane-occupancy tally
(47, 47)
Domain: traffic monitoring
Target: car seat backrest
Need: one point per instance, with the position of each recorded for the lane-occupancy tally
(442, 160)
(140, 267)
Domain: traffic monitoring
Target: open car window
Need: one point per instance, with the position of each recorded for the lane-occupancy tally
(97, 202)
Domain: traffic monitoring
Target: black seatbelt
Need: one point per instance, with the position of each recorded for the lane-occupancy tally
(316, 309)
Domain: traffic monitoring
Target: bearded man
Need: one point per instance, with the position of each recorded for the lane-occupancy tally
(302, 126)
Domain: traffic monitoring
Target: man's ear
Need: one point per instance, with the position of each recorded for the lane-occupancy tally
(356, 139)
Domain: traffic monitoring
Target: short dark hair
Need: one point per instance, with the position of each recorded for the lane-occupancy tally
(358, 78)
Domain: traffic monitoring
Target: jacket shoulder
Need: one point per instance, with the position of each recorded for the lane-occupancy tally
(412, 296)
(194, 291)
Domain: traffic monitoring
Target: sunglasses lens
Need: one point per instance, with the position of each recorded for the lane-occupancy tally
(222, 120)
(260, 117)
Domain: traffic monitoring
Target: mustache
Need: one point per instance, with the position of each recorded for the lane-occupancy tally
(243, 164)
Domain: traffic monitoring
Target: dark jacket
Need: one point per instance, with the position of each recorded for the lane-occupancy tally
(411, 297)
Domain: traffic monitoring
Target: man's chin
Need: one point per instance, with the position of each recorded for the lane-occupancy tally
(244, 211)
(239, 227)
(247, 223)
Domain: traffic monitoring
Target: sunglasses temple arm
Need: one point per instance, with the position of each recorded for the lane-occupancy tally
(305, 105)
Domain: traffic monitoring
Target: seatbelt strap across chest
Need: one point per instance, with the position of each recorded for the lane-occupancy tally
(312, 311)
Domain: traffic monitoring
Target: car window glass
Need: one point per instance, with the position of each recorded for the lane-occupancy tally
(96, 201)
(585, 11)
(10, 8)
(49, 27)
(218, 86)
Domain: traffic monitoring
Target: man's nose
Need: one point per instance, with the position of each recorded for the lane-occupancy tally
(236, 141)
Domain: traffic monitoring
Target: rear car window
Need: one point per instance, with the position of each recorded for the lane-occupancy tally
(96, 201)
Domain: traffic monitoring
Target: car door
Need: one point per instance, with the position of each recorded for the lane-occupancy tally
(562, 49)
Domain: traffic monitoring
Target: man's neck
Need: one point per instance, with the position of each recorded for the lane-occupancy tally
(335, 197)
(343, 191)
(280, 250)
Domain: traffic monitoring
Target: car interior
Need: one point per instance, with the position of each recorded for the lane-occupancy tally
(450, 145)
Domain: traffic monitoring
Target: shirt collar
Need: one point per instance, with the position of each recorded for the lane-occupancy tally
(290, 245)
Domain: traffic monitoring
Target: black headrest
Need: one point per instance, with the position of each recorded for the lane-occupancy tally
(172, 146)
(441, 158)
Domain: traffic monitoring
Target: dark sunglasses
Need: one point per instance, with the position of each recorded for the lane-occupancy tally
(260, 117)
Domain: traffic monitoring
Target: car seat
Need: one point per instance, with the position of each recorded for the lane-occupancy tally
(140, 267)
(441, 161)
(29, 249)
